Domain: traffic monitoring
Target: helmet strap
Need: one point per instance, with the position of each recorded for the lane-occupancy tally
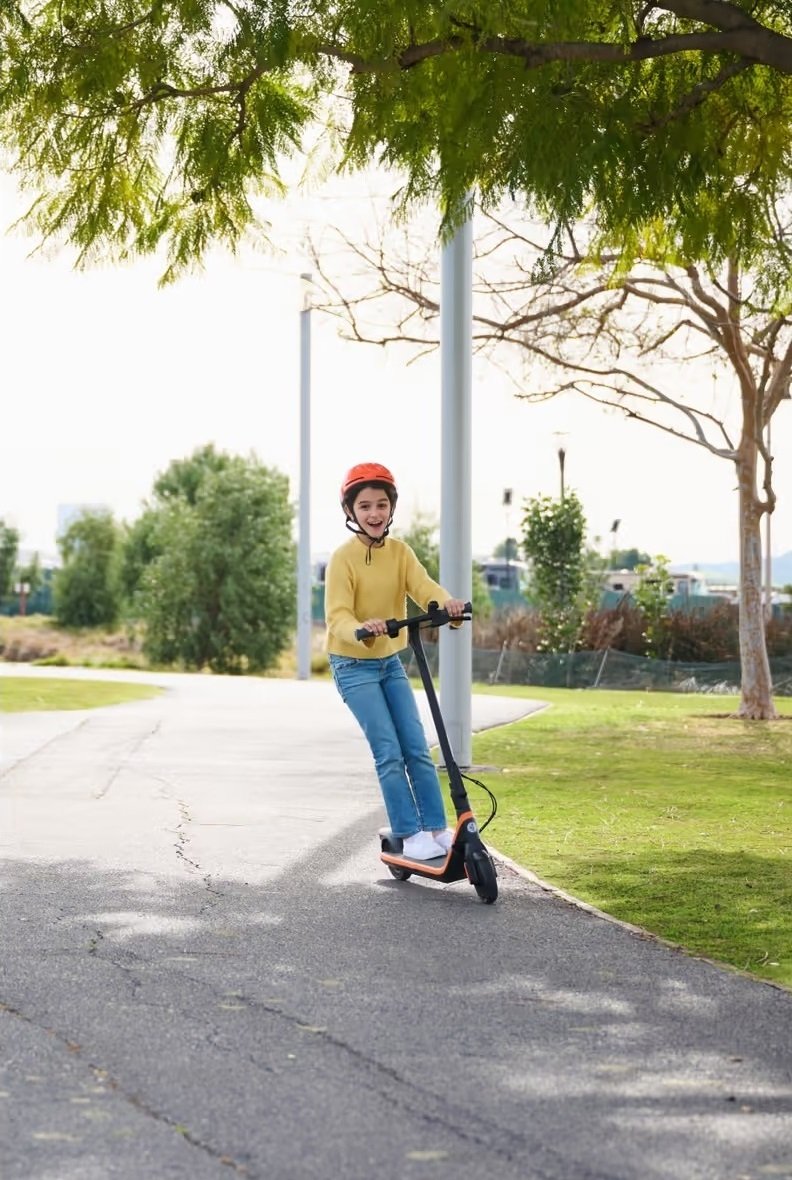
(355, 528)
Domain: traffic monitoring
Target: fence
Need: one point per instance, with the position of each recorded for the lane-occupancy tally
(607, 669)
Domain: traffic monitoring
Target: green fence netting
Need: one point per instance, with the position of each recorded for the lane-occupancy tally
(606, 669)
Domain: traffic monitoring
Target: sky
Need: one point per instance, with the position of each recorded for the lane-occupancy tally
(107, 379)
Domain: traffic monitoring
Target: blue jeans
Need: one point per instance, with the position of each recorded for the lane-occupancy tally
(381, 698)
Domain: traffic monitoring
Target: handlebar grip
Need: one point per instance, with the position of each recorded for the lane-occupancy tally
(395, 625)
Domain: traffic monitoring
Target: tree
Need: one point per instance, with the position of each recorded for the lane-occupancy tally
(181, 481)
(185, 478)
(87, 588)
(655, 586)
(138, 124)
(586, 324)
(31, 574)
(421, 536)
(507, 549)
(9, 547)
(214, 565)
(628, 559)
(553, 543)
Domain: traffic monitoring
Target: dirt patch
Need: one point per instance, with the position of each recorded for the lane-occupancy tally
(37, 640)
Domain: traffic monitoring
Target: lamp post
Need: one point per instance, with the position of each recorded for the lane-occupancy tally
(561, 435)
(507, 500)
(304, 612)
(614, 530)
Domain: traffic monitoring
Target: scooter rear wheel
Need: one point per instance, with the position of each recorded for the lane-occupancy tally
(399, 874)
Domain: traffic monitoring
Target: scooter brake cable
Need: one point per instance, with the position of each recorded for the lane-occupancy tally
(493, 800)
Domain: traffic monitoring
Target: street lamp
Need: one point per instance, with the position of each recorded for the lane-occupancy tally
(614, 529)
(507, 500)
(561, 434)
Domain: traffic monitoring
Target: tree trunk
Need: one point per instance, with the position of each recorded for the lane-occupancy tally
(756, 703)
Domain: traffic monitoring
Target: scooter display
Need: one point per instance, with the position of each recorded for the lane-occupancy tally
(467, 858)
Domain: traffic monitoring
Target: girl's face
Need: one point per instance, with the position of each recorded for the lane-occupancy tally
(371, 509)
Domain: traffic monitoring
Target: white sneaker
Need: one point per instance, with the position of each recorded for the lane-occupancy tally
(422, 846)
(444, 839)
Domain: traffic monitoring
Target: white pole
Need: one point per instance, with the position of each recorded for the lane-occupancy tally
(304, 620)
(456, 555)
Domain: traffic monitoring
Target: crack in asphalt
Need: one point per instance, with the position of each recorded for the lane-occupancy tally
(135, 744)
(182, 840)
(134, 1100)
(59, 737)
(490, 1136)
(170, 790)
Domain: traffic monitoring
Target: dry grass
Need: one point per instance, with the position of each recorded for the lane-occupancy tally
(37, 640)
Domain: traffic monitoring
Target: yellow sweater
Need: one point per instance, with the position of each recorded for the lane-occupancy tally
(355, 591)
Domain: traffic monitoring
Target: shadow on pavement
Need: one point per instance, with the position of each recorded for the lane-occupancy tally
(324, 1024)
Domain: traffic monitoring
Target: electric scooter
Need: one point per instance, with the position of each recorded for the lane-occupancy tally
(467, 858)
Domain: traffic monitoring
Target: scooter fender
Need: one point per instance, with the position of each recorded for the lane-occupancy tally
(475, 857)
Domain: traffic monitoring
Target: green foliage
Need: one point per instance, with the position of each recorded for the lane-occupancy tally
(628, 559)
(553, 543)
(184, 478)
(9, 547)
(87, 591)
(141, 546)
(508, 549)
(655, 587)
(137, 124)
(422, 538)
(212, 564)
(31, 574)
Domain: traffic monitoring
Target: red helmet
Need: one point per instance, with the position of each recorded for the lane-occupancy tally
(368, 475)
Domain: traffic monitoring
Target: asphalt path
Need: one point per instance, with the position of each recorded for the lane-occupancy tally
(206, 971)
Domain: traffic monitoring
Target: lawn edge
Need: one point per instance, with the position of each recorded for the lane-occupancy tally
(639, 931)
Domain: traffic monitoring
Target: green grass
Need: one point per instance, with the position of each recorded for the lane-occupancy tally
(656, 810)
(22, 694)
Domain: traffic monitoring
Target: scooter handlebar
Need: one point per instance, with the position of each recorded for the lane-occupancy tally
(435, 616)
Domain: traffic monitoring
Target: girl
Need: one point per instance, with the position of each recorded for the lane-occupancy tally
(367, 581)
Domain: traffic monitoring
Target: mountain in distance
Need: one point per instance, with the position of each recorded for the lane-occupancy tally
(729, 571)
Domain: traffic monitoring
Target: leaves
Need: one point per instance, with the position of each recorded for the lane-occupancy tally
(137, 123)
(87, 591)
(553, 540)
(215, 565)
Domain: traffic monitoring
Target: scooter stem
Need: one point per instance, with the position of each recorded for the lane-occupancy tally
(456, 785)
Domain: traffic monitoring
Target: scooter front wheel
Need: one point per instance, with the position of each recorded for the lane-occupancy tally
(483, 878)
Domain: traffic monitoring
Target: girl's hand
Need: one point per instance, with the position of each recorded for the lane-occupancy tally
(455, 607)
(375, 626)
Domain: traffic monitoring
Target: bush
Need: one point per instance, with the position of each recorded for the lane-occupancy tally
(703, 636)
(517, 628)
(709, 637)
